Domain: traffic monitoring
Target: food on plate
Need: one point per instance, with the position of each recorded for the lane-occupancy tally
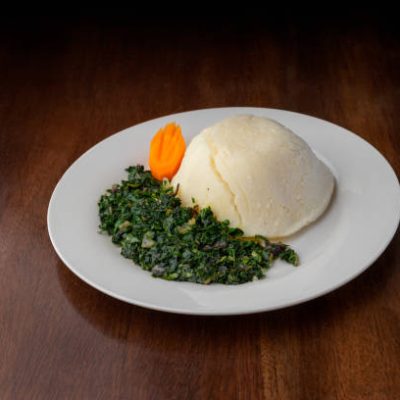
(166, 151)
(204, 214)
(257, 174)
(145, 217)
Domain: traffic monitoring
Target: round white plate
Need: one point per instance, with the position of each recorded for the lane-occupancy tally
(357, 227)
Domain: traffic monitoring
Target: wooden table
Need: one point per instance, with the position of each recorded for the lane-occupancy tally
(65, 85)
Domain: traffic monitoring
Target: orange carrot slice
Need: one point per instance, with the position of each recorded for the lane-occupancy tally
(167, 149)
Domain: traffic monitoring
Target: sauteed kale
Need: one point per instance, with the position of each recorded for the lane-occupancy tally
(146, 219)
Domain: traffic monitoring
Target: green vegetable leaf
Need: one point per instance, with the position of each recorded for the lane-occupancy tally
(146, 219)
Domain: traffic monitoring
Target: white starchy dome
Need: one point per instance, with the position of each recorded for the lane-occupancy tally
(257, 173)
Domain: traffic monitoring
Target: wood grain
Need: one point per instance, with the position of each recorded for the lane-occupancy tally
(65, 85)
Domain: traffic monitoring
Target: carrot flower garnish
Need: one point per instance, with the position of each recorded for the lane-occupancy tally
(167, 149)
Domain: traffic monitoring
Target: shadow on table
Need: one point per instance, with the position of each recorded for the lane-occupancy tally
(125, 322)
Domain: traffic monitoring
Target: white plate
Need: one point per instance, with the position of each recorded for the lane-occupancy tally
(355, 230)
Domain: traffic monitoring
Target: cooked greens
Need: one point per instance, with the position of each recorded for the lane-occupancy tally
(173, 242)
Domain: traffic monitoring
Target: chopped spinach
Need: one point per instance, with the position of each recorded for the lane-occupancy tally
(146, 219)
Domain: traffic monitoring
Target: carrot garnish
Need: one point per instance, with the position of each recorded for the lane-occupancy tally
(166, 151)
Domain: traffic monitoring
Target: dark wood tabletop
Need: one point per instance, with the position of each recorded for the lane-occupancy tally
(65, 84)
